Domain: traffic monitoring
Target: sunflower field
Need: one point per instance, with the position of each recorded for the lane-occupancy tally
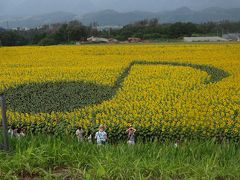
(166, 91)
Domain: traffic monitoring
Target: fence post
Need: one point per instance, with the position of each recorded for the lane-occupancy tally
(4, 123)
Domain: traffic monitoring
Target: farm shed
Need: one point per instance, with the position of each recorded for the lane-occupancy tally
(204, 39)
(97, 40)
(232, 36)
(134, 40)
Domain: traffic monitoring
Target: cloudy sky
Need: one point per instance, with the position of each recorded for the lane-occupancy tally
(31, 7)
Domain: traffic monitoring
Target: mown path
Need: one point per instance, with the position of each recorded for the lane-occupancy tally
(65, 96)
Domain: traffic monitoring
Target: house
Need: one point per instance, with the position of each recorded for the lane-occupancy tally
(112, 40)
(134, 40)
(232, 36)
(204, 39)
(97, 40)
(107, 28)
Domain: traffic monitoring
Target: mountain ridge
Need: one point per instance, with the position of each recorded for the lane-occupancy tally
(112, 17)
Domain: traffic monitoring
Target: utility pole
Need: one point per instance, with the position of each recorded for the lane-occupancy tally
(4, 122)
(109, 32)
(7, 25)
(68, 36)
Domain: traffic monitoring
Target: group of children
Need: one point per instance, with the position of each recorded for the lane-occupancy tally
(16, 132)
(101, 136)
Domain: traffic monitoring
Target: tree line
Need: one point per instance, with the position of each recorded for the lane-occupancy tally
(67, 33)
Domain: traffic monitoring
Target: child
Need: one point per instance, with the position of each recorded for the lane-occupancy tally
(11, 131)
(101, 136)
(89, 137)
(79, 134)
(131, 135)
(177, 143)
(16, 132)
(21, 132)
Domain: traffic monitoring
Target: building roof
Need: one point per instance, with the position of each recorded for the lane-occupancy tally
(204, 39)
(232, 36)
(97, 39)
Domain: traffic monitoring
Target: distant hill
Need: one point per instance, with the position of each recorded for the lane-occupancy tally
(184, 14)
(38, 20)
(111, 17)
(211, 14)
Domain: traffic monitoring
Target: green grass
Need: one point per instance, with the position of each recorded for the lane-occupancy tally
(58, 158)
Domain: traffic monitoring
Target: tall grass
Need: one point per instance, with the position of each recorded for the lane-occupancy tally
(54, 157)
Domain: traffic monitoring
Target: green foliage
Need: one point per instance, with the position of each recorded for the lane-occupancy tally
(56, 96)
(146, 29)
(153, 36)
(63, 157)
(76, 31)
(47, 41)
(182, 29)
(12, 38)
(151, 29)
(1, 136)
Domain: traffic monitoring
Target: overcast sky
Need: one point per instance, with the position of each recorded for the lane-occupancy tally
(31, 7)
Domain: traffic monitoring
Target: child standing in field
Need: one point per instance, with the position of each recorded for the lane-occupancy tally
(131, 135)
(21, 132)
(16, 132)
(89, 136)
(79, 134)
(12, 131)
(101, 136)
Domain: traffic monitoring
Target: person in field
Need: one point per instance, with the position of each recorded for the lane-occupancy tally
(177, 143)
(89, 137)
(101, 136)
(131, 135)
(79, 134)
(12, 131)
(16, 132)
(21, 132)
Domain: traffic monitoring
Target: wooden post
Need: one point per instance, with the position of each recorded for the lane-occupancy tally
(4, 123)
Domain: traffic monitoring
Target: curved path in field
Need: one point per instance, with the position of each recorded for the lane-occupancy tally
(65, 96)
(216, 74)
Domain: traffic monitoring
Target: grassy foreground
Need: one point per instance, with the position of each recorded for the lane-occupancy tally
(59, 158)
